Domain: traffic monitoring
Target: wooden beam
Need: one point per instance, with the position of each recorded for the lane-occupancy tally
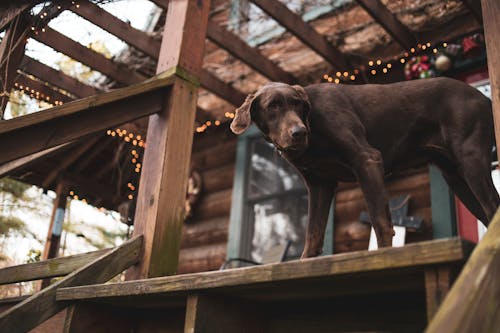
(103, 144)
(9, 15)
(303, 31)
(117, 71)
(11, 53)
(117, 27)
(29, 85)
(48, 268)
(71, 158)
(56, 222)
(381, 14)
(57, 78)
(11, 167)
(491, 12)
(42, 305)
(45, 129)
(474, 6)
(421, 254)
(222, 89)
(249, 55)
(473, 305)
(160, 203)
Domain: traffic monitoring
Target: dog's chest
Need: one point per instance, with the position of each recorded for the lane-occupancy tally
(323, 167)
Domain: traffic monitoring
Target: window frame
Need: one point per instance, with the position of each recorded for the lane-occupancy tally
(239, 240)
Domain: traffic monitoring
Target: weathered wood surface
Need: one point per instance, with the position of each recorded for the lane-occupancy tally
(491, 12)
(160, 202)
(347, 264)
(473, 303)
(294, 23)
(42, 305)
(389, 22)
(202, 258)
(203, 232)
(222, 89)
(48, 268)
(218, 154)
(438, 280)
(475, 8)
(249, 55)
(214, 205)
(76, 119)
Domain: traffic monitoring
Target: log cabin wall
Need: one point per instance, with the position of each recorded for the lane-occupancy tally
(204, 237)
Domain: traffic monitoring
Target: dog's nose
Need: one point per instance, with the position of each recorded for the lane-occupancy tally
(298, 132)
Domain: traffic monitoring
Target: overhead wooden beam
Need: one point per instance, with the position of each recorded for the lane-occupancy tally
(160, 202)
(303, 31)
(10, 14)
(72, 157)
(45, 129)
(222, 89)
(117, 71)
(381, 14)
(11, 53)
(103, 144)
(117, 27)
(28, 85)
(249, 55)
(57, 78)
(474, 6)
(91, 188)
(36, 309)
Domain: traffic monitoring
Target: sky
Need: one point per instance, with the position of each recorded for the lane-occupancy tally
(138, 13)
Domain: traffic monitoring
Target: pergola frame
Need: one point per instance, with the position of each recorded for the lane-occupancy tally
(170, 102)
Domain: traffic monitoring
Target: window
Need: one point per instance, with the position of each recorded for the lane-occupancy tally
(269, 203)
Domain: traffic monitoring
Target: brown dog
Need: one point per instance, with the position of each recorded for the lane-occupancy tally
(345, 133)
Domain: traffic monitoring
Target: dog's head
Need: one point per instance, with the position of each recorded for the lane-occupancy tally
(281, 112)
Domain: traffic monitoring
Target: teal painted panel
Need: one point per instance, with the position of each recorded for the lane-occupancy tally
(328, 244)
(444, 221)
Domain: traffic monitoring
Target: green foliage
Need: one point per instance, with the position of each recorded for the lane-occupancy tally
(34, 255)
(11, 224)
(15, 188)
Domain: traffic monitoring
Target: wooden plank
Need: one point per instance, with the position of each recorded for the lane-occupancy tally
(210, 314)
(438, 280)
(473, 305)
(11, 53)
(76, 119)
(491, 12)
(381, 14)
(222, 89)
(29, 85)
(43, 305)
(160, 202)
(117, 71)
(11, 13)
(249, 55)
(11, 167)
(117, 27)
(413, 255)
(474, 6)
(294, 23)
(48, 268)
(57, 78)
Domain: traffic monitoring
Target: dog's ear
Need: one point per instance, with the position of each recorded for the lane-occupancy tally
(242, 117)
(303, 95)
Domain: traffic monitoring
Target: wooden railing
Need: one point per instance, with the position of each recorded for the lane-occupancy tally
(84, 269)
(473, 303)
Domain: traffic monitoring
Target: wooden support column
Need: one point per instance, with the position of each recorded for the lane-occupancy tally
(160, 203)
(491, 13)
(11, 54)
(438, 281)
(56, 222)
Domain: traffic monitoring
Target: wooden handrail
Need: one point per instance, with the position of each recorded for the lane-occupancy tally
(39, 307)
(473, 303)
(46, 129)
(48, 268)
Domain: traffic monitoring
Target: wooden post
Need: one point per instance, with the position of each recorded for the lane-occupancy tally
(491, 13)
(55, 227)
(160, 203)
(11, 54)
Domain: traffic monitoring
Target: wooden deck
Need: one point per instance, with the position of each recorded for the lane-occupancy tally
(389, 289)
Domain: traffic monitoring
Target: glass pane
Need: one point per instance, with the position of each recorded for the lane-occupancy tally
(277, 221)
(269, 173)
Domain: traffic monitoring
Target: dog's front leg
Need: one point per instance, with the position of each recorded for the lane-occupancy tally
(320, 199)
(370, 173)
